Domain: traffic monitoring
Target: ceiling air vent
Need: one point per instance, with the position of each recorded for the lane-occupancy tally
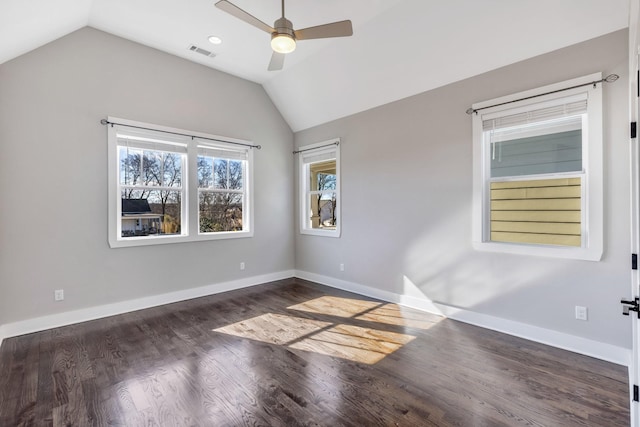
(201, 51)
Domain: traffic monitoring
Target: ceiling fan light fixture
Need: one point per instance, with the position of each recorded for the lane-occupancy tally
(283, 43)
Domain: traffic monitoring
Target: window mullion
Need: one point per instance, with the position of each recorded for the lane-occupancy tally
(141, 171)
(190, 205)
(227, 163)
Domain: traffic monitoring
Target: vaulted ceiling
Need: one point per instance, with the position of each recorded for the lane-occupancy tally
(399, 47)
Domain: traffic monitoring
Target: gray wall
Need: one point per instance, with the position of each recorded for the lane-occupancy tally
(53, 174)
(406, 204)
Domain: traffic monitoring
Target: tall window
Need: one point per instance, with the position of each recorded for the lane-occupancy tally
(221, 189)
(165, 187)
(320, 188)
(538, 172)
(151, 187)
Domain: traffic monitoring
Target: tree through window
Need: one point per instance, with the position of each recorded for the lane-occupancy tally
(151, 197)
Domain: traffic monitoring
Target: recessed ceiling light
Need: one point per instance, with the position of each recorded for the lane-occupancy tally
(215, 40)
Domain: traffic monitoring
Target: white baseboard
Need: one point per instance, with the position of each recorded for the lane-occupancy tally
(98, 312)
(599, 350)
(3, 334)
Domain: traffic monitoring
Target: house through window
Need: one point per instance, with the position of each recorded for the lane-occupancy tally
(151, 187)
(320, 189)
(538, 172)
(153, 197)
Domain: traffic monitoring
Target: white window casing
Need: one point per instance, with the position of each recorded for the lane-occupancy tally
(578, 109)
(321, 153)
(123, 134)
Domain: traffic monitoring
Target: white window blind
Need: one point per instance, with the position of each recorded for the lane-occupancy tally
(318, 156)
(570, 107)
(150, 140)
(223, 152)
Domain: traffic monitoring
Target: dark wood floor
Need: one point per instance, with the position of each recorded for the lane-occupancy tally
(295, 353)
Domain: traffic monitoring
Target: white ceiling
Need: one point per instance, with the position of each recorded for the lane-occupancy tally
(399, 47)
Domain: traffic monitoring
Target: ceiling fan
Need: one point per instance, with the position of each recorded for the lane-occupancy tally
(283, 36)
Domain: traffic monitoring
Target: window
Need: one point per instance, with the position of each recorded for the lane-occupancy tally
(221, 189)
(167, 187)
(538, 172)
(320, 189)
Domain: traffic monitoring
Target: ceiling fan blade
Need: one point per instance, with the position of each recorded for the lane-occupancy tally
(234, 10)
(277, 61)
(335, 29)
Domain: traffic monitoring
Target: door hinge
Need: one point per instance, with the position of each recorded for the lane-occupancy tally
(635, 393)
(634, 261)
(634, 130)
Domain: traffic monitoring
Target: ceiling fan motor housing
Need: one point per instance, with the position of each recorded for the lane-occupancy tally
(283, 26)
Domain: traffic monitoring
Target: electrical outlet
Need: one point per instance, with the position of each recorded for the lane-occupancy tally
(58, 294)
(242, 266)
(581, 313)
(341, 267)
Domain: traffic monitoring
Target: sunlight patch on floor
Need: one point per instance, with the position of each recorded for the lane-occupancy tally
(370, 311)
(335, 306)
(274, 328)
(355, 343)
(393, 314)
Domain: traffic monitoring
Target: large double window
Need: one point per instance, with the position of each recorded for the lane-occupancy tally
(538, 172)
(168, 187)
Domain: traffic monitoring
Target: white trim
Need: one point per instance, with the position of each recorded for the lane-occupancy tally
(634, 167)
(3, 334)
(599, 350)
(98, 312)
(189, 190)
(318, 147)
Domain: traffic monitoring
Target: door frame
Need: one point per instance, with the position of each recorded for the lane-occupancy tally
(634, 107)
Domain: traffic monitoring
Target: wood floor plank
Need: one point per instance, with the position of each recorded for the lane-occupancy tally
(26, 403)
(295, 353)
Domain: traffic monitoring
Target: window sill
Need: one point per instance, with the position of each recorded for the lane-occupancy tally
(323, 233)
(586, 254)
(164, 240)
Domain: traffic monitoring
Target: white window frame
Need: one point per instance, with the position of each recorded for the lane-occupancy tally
(592, 169)
(330, 147)
(190, 209)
